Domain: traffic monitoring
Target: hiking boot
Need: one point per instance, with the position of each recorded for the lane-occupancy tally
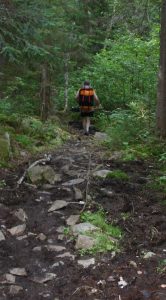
(86, 133)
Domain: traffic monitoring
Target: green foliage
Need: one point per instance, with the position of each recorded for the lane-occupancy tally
(127, 126)
(162, 266)
(24, 140)
(118, 174)
(13, 121)
(126, 71)
(108, 235)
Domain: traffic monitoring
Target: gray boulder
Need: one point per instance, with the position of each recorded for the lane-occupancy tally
(39, 174)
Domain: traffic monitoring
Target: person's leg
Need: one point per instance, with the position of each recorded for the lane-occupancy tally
(87, 124)
(84, 123)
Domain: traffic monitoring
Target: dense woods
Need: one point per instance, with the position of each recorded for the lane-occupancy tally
(49, 48)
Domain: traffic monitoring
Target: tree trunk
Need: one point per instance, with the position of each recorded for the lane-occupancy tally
(66, 76)
(45, 93)
(161, 103)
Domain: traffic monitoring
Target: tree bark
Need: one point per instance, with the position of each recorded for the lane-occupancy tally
(161, 103)
(66, 77)
(45, 93)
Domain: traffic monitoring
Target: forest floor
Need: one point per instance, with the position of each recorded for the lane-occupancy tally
(33, 267)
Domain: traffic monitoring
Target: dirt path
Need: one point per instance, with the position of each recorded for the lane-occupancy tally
(42, 263)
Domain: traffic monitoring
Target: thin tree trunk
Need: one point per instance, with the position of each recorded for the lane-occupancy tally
(66, 76)
(45, 93)
(161, 103)
(110, 25)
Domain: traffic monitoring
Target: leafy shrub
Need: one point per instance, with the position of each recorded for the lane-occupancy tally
(106, 237)
(24, 140)
(118, 174)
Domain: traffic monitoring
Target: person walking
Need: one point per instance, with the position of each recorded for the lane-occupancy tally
(88, 101)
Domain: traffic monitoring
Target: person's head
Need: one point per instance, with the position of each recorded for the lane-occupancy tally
(87, 82)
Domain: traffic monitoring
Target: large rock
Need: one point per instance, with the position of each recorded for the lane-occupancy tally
(15, 289)
(21, 215)
(85, 242)
(39, 174)
(101, 173)
(2, 237)
(5, 148)
(58, 204)
(72, 220)
(101, 136)
(44, 278)
(77, 194)
(18, 272)
(86, 262)
(17, 230)
(83, 228)
(55, 248)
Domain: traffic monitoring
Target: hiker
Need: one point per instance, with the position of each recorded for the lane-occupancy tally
(88, 100)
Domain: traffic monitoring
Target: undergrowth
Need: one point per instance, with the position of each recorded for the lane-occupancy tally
(132, 132)
(31, 134)
(118, 174)
(107, 237)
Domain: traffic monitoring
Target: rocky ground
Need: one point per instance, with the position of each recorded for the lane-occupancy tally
(39, 261)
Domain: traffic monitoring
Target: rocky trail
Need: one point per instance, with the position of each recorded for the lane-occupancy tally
(40, 260)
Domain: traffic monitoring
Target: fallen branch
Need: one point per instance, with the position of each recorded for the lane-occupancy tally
(42, 160)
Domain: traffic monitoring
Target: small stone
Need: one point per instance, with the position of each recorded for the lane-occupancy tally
(41, 237)
(72, 220)
(60, 229)
(58, 264)
(133, 264)
(21, 215)
(149, 255)
(101, 283)
(55, 248)
(18, 272)
(36, 249)
(55, 265)
(15, 289)
(48, 186)
(139, 272)
(163, 286)
(85, 242)
(86, 262)
(100, 136)
(111, 279)
(22, 237)
(122, 283)
(77, 194)
(61, 237)
(10, 278)
(46, 295)
(83, 227)
(66, 254)
(101, 173)
(17, 230)
(108, 193)
(73, 182)
(2, 237)
(31, 234)
(58, 204)
(45, 278)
